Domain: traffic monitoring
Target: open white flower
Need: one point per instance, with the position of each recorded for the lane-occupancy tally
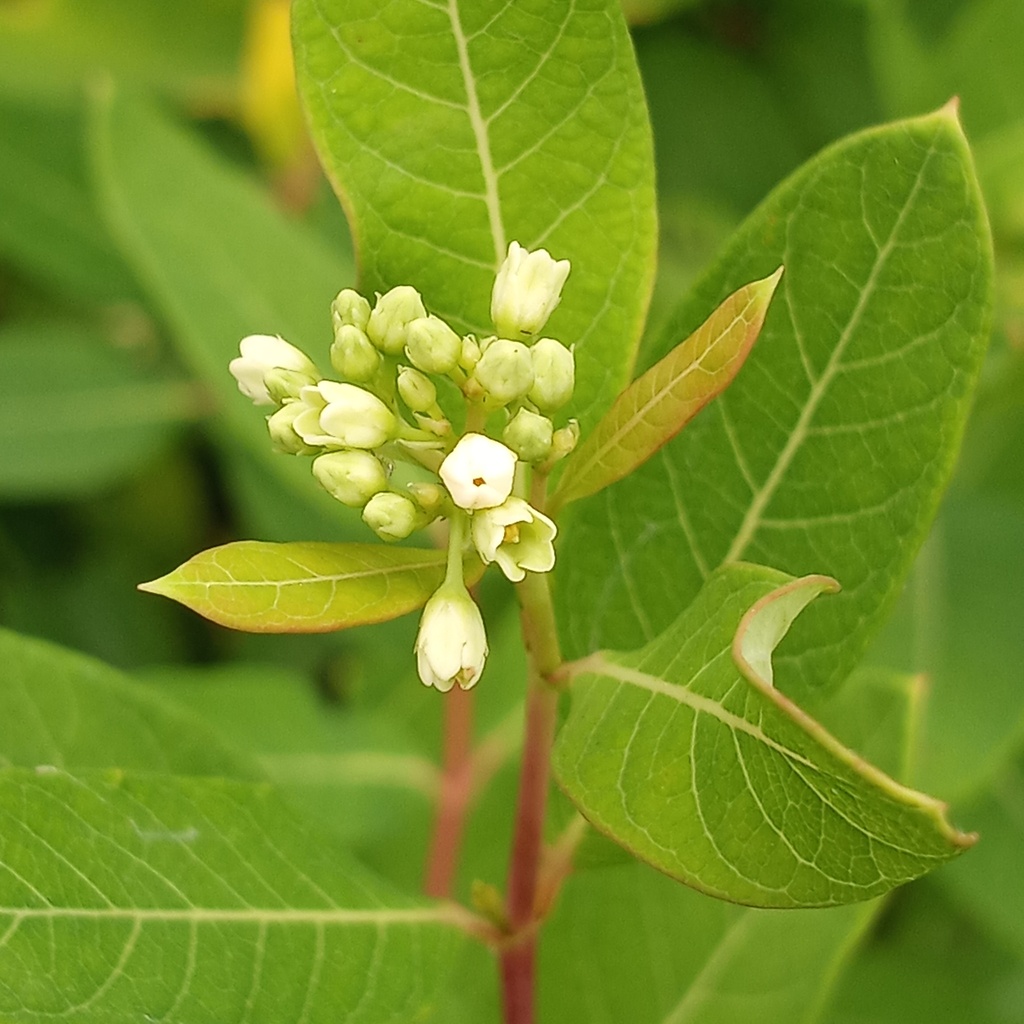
(527, 289)
(517, 537)
(479, 472)
(343, 415)
(451, 646)
(261, 353)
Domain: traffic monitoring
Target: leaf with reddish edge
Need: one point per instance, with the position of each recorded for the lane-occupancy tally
(304, 587)
(658, 404)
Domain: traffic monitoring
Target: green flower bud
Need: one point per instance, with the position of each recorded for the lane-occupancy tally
(353, 354)
(392, 516)
(432, 345)
(565, 439)
(389, 321)
(505, 370)
(429, 497)
(282, 431)
(353, 477)
(529, 435)
(284, 385)
(417, 390)
(349, 307)
(470, 355)
(554, 374)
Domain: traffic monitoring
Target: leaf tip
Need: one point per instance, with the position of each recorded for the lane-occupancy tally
(951, 109)
(157, 586)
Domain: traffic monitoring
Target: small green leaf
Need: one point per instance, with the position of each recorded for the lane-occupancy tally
(687, 754)
(302, 587)
(146, 898)
(450, 130)
(657, 405)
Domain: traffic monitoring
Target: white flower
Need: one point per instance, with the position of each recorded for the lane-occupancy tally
(343, 415)
(262, 353)
(451, 646)
(479, 472)
(526, 291)
(517, 537)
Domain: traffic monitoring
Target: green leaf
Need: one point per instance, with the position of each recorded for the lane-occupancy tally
(66, 710)
(657, 405)
(829, 451)
(697, 763)
(217, 258)
(198, 900)
(76, 415)
(451, 130)
(302, 587)
(688, 959)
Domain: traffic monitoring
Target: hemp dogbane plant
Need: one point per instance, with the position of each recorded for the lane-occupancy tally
(672, 509)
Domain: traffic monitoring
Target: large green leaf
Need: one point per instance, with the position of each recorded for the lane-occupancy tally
(76, 415)
(687, 754)
(217, 258)
(202, 900)
(63, 709)
(450, 130)
(829, 451)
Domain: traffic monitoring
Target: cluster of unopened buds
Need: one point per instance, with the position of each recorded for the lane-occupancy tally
(406, 375)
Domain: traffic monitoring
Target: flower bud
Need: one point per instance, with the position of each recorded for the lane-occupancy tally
(286, 385)
(429, 497)
(470, 355)
(505, 370)
(565, 439)
(432, 345)
(388, 323)
(282, 431)
(352, 477)
(344, 415)
(554, 374)
(349, 307)
(353, 354)
(392, 516)
(529, 435)
(261, 353)
(478, 472)
(451, 646)
(417, 390)
(526, 291)
(517, 537)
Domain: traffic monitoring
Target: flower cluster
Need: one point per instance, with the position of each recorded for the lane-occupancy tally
(406, 378)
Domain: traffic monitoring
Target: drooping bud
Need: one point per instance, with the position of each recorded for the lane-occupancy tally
(282, 431)
(432, 345)
(529, 435)
(352, 477)
(516, 536)
(388, 324)
(526, 291)
(261, 353)
(478, 472)
(417, 390)
(349, 308)
(554, 374)
(392, 516)
(353, 354)
(451, 646)
(344, 415)
(505, 370)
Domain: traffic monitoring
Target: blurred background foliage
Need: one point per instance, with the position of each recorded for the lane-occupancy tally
(141, 237)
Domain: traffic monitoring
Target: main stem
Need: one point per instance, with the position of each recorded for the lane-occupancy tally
(518, 959)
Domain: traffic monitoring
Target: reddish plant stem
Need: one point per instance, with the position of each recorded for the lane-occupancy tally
(455, 794)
